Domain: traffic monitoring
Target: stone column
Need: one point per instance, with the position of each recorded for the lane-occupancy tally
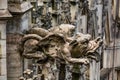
(4, 15)
(15, 27)
(3, 69)
(14, 61)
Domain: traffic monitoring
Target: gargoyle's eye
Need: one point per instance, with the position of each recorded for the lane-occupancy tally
(73, 42)
(85, 41)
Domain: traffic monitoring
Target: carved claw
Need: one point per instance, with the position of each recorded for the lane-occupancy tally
(79, 61)
(95, 56)
(100, 42)
(97, 39)
(86, 61)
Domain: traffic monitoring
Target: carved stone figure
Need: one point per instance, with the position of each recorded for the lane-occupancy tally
(57, 46)
(56, 43)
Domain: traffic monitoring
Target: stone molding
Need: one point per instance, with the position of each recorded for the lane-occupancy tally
(19, 8)
(4, 14)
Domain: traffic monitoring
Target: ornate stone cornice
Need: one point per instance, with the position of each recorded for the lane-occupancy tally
(4, 14)
(19, 8)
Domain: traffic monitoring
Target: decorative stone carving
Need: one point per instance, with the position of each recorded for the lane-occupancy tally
(56, 43)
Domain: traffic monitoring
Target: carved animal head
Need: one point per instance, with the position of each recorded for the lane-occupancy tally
(52, 44)
(83, 46)
(79, 44)
(93, 45)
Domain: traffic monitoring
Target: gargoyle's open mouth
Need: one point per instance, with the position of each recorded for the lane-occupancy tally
(94, 56)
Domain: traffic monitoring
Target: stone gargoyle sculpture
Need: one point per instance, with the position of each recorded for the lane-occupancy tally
(58, 43)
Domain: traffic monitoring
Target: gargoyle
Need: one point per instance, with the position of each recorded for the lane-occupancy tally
(56, 44)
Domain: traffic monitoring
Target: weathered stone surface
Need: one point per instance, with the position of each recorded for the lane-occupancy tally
(3, 4)
(3, 65)
(55, 46)
(4, 14)
(18, 24)
(14, 60)
(2, 29)
(19, 8)
(15, 27)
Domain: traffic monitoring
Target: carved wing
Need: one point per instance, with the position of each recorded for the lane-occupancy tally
(28, 47)
(52, 44)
